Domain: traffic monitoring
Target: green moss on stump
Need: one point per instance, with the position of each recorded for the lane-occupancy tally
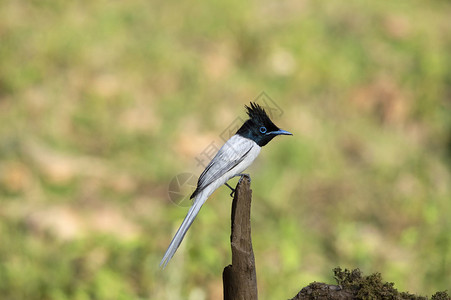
(353, 285)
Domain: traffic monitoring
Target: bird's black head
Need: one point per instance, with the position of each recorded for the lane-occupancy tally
(259, 127)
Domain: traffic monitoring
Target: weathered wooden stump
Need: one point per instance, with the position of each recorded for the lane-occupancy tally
(240, 278)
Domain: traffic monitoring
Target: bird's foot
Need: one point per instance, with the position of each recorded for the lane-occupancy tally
(243, 175)
(231, 188)
(239, 181)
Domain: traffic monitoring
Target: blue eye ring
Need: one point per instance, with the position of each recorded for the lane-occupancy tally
(263, 129)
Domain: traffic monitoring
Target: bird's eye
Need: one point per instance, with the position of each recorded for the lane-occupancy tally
(263, 129)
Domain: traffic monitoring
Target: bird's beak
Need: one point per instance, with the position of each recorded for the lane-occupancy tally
(280, 132)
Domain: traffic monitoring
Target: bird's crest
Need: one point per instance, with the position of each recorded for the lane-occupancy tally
(257, 113)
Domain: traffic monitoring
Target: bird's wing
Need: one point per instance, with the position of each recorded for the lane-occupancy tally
(231, 154)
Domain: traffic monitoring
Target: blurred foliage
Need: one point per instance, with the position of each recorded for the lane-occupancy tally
(102, 103)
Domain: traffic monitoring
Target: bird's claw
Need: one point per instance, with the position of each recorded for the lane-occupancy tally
(243, 175)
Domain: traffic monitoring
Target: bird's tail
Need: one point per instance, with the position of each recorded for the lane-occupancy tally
(178, 237)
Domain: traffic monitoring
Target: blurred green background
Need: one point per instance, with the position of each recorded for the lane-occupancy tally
(102, 103)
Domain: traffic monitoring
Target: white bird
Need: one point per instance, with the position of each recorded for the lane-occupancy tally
(232, 159)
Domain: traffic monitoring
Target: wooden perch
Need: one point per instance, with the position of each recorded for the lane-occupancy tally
(240, 278)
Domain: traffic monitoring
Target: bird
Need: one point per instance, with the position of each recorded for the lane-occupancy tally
(237, 153)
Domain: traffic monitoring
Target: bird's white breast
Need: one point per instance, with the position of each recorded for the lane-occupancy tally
(235, 146)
